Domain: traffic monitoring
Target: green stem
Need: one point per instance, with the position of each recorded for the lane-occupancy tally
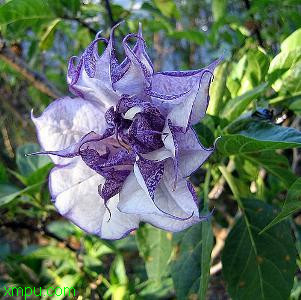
(206, 187)
(230, 180)
(207, 242)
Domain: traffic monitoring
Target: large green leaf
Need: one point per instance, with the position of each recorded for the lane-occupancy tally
(259, 136)
(260, 267)
(155, 247)
(292, 204)
(186, 268)
(236, 106)
(22, 10)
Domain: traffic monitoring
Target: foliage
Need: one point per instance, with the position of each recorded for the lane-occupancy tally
(252, 181)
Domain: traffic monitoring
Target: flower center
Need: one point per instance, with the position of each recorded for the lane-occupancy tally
(134, 128)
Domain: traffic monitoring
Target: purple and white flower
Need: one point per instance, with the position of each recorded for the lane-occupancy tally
(124, 146)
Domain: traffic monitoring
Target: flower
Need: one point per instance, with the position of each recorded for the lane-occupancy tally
(124, 146)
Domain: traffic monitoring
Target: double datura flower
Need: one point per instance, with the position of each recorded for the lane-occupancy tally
(124, 145)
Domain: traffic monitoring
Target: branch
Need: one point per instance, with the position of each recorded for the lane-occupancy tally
(39, 81)
(256, 30)
(81, 22)
(110, 13)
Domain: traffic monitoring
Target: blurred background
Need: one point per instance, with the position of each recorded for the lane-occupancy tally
(37, 37)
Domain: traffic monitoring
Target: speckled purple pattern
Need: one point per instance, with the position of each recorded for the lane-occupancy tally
(90, 57)
(152, 173)
(113, 183)
(139, 106)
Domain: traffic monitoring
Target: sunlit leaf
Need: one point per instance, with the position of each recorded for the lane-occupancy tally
(217, 90)
(167, 7)
(48, 36)
(155, 248)
(236, 106)
(219, 9)
(20, 10)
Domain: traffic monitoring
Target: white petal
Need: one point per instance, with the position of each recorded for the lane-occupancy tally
(192, 154)
(74, 189)
(65, 121)
(91, 78)
(193, 90)
(172, 204)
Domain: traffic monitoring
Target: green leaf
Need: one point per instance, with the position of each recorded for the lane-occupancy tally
(118, 272)
(257, 266)
(186, 268)
(167, 7)
(3, 173)
(295, 104)
(29, 164)
(257, 67)
(8, 193)
(292, 42)
(283, 61)
(190, 35)
(62, 229)
(236, 106)
(292, 204)
(219, 8)
(46, 40)
(275, 164)
(217, 90)
(51, 252)
(39, 175)
(155, 248)
(20, 10)
(259, 136)
(287, 65)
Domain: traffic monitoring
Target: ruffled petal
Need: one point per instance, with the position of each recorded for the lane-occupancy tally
(192, 154)
(91, 78)
(74, 190)
(170, 210)
(191, 94)
(139, 68)
(65, 121)
(188, 152)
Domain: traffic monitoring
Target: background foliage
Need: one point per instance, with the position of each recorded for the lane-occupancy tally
(250, 249)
